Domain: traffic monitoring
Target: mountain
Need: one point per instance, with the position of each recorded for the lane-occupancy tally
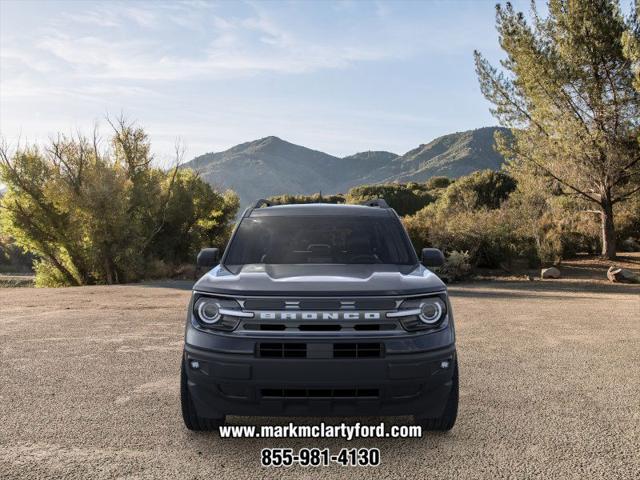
(269, 166)
(361, 164)
(453, 155)
(272, 166)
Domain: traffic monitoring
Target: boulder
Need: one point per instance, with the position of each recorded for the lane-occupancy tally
(551, 272)
(621, 275)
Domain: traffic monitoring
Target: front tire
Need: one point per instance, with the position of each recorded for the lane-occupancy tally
(189, 415)
(447, 420)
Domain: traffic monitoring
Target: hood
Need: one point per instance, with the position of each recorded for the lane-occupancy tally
(321, 280)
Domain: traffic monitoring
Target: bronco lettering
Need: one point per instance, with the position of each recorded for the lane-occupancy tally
(319, 315)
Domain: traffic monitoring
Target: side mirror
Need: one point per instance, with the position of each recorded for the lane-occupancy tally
(208, 257)
(432, 257)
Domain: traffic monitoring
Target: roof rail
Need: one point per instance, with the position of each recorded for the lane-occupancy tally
(263, 203)
(376, 202)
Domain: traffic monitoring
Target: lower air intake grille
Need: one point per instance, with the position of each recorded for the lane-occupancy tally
(357, 350)
(282, 350)
(340, 350)
(320, 392)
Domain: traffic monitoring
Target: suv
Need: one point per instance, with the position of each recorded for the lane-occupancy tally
(319, 309)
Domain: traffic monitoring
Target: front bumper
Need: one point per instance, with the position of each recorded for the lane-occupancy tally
(232, 379)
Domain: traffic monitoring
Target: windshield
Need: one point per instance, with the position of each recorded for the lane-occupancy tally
(320, 239)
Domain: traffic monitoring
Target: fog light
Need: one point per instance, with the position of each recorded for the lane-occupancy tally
(444, 364)
(194, 364)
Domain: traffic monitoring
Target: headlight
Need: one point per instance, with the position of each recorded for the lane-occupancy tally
(208, 310)
(421, 313)
(217, 313)
(431, 311)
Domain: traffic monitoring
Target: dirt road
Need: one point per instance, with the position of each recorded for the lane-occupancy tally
(550, 388)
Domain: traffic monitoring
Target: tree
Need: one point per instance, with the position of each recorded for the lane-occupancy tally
(566, 89)
(196, 216)
(631, 41)
(104, 216)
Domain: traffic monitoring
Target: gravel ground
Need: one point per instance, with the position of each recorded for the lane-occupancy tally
(549, 389)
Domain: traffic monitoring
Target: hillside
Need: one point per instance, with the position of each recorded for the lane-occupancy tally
(272, 166)
(268, 166)
(453, 156)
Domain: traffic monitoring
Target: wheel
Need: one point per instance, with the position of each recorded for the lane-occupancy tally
(447, 420)
(191, 419)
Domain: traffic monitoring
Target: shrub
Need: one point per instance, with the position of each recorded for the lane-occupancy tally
(482, 189)
(92, 216)
(314, 198)
(489, 236)
(457, 266)
(435, 183)
(628, 220)
(406, 199)
(47, 276)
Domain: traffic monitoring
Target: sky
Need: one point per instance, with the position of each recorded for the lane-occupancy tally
(340, 77)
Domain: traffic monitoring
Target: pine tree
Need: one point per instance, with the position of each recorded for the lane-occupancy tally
(566, 89)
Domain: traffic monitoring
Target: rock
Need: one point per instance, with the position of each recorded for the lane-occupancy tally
(551, 272)
(621, 275)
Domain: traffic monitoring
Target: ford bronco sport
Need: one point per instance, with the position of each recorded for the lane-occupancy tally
(319, 309)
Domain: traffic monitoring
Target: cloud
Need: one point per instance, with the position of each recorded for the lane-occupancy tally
(110, 16)
(141, 16)
(183, 41)
(234, 46)
(179, 62)
(225, 56)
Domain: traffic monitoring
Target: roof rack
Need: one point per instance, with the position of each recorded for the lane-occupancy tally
(376, 202)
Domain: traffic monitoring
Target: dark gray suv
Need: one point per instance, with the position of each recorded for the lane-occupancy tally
(319, 309)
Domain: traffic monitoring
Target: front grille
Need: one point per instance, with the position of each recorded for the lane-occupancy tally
(348, 326)
(320, 327)
(268, 327)
(357, 350)
(317, 350)
(282, 350)
(320, 392)
(320, 304)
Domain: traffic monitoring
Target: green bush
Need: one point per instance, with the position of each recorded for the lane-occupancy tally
(457, 266)
(404, 198)
(91, 216)
(473, 216)
(314, 198)
(482, 189)
(48, 276)
(435, 183)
